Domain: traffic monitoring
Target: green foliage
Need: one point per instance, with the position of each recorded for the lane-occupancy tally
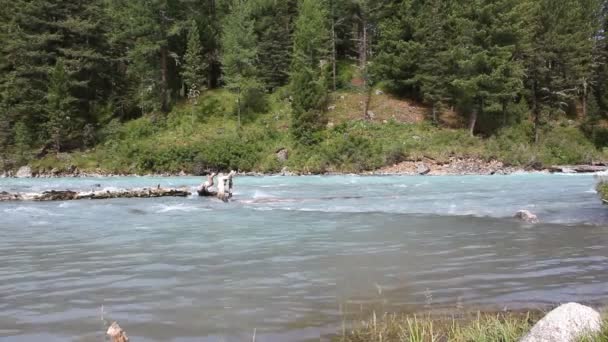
(60, 122)
(113, 66)
(195, 67)
(239, 53)
(504, 327)
(308, 75)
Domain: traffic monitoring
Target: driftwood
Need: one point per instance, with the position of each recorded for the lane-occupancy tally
(224, 192)
(116, 333)
(224, 187)
(93, 195)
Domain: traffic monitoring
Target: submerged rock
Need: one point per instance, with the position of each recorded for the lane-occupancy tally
(24, 172)
(568, 323)
(527, 216)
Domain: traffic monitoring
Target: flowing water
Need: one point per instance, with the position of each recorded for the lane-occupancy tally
(291, 258)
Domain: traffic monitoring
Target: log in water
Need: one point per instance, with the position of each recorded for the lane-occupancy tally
(68, 195)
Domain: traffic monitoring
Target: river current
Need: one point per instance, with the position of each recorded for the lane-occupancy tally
(292, 258)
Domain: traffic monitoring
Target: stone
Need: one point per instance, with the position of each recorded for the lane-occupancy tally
(422, 169)
(371, 115)
(282, 155)
(24, 172)
(379, 92)
(568, 323)
(331, 108)
(526, 216)
(285, 172)
(116, 333)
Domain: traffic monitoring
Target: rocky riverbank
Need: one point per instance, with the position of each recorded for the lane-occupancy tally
(426, 166)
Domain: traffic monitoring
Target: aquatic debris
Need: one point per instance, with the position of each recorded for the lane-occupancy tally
(117, 334)
(68, 195)
(527, 216)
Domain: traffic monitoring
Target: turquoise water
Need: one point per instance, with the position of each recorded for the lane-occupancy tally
(292, 257)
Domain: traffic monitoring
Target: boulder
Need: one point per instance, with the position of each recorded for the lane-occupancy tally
(282, 155)
(526, 216)
(422, 169)
(24, 172)
(285, 172)
(568, 323)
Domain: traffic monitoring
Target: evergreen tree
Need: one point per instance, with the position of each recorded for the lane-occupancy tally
(274, 28)
(194, 71)
(558, 58)
(60, 106)
(147, 32)
(239, 53)
(308, 73)
(485, 55)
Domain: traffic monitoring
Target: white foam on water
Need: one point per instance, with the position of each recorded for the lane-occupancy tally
(30, 211)
(261, 194)
(166, 208)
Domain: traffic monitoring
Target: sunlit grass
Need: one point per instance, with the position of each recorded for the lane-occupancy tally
(504, 327)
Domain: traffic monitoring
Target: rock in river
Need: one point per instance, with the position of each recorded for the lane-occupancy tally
(526, 216)
(24, 172)
(568, 323)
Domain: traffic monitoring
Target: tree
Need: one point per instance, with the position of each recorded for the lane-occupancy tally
(239, 52)
(274, 29)
(147, 31)
(485, 54)
(558, 57)
(194, 70)
(60, 106)
(308, 72)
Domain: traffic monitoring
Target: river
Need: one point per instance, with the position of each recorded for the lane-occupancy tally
(291, 258)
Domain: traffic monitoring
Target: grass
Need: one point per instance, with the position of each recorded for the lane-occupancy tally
(203, 136)
(602, 189)
(497, 327)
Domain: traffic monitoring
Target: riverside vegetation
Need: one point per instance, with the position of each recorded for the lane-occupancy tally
(478, 328)
(341, 85)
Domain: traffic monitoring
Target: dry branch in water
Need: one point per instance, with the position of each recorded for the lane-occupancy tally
(117, 334)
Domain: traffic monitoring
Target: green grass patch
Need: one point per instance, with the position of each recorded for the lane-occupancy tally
(204, 136)
(497, 327)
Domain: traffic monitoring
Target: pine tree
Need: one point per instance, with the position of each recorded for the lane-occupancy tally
(558, 57)
(485, 55)
(194, 71)
(239, 53)
(274, 29)
(147, 31)
(308, 72)
(60, 107)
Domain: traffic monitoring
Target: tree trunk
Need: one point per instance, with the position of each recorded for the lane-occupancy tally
(584, 99)
(536, 113)
(536, 125)
(238, 101)
(164, 78)
(363, 67)
(333, 51)
(435, 112)
(473, 122)
(504, 113)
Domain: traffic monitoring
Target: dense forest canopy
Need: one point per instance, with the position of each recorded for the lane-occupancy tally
(70, 68)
